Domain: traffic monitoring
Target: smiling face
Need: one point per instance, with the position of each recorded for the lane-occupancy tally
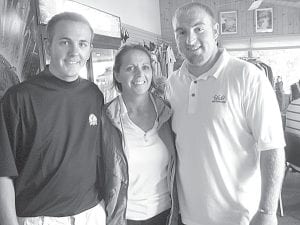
(135, 74)
(195, 35)
(69, 49)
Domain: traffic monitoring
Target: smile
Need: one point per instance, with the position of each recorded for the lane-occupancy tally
(194, 49)
(139, 82)
(73, 62)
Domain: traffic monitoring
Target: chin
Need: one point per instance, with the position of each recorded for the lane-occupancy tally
(196, 61)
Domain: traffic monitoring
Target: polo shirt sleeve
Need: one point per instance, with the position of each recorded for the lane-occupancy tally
(8, 141)
(262, 110)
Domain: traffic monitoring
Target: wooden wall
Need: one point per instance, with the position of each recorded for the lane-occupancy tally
(286, 20)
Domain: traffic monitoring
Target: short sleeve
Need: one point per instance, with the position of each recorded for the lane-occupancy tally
(8, 130)
(262, 111)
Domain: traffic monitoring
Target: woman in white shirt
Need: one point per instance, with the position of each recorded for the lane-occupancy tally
(139, 147)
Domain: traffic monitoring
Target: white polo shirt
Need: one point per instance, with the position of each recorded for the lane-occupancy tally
(222, 120)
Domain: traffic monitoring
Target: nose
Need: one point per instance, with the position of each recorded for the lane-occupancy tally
(74, 49)
(191, 38)
(138, 71)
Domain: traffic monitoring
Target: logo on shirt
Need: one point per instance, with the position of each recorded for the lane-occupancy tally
(93, 120)
(219, 99)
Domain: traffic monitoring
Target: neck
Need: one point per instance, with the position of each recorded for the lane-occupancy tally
(59, 76)
(199, 69)
(136, 102)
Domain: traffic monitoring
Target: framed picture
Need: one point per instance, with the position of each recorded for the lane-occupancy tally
(228, 22)
(264, 20)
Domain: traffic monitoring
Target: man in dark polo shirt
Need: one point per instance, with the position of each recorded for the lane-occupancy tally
(50, 137)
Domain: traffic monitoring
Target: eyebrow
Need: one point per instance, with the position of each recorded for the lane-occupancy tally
(194, 25)
(69, 39)
(198, 24)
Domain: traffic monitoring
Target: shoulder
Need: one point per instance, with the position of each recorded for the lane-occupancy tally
(239, 70)
(246, 67)
(91, 87)
(174, 76)
(163, 107)
(159, 101)
(21, 88)
(112, 109)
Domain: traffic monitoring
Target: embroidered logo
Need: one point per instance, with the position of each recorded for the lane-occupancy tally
(219, 99)
(93, 120)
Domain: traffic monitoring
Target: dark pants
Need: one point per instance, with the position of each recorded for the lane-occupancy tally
(160, 219)
(180, 221)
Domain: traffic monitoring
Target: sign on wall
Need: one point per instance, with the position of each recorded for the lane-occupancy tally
(102, 23)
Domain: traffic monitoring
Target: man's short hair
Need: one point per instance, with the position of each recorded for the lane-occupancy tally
(189, 6)
(69, 16)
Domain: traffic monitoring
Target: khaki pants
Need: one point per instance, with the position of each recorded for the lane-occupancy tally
(93, 216)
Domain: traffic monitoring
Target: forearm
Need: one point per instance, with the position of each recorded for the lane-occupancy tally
(272, 163)
(7, 202)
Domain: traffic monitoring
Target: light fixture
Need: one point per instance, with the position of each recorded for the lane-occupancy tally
(255, 5)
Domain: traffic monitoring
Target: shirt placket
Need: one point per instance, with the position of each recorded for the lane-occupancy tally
(193, 96)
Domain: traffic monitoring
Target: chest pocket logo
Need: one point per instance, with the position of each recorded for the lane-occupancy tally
(93, 120)
(219, 98)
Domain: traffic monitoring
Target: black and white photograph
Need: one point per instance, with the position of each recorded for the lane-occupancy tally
(149, 112)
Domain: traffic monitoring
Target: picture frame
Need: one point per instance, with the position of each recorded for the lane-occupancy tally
(228, 22)
(264, 20)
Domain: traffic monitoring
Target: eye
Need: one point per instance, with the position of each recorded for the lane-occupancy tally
(130, 68)
(83, 44)
(146, 67)
(180, 32)
(198, 29)
(65, 42)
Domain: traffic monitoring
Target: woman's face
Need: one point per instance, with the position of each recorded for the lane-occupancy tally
(135, 73)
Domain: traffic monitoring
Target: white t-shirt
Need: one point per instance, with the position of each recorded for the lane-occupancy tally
(222, 120)
(148, 159)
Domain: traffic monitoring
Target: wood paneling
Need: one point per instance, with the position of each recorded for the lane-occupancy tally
(286, 20)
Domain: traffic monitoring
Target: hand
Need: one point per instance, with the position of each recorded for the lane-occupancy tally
(264, 219)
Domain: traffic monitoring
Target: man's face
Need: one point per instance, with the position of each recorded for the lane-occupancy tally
(69, 49)
(195, 35)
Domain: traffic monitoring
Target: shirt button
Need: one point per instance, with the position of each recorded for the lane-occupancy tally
(195, 82)
(193, 95)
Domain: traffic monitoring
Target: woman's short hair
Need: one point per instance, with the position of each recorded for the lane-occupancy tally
(119, 56)
(69, 16)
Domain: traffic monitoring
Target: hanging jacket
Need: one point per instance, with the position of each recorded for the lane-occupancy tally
(116, 165)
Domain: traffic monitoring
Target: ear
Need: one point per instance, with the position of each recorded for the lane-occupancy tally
(216, 30)
(47, 46)
(117, 77)
(91, 48)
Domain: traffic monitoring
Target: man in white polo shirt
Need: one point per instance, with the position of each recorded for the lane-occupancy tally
(228, 129)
